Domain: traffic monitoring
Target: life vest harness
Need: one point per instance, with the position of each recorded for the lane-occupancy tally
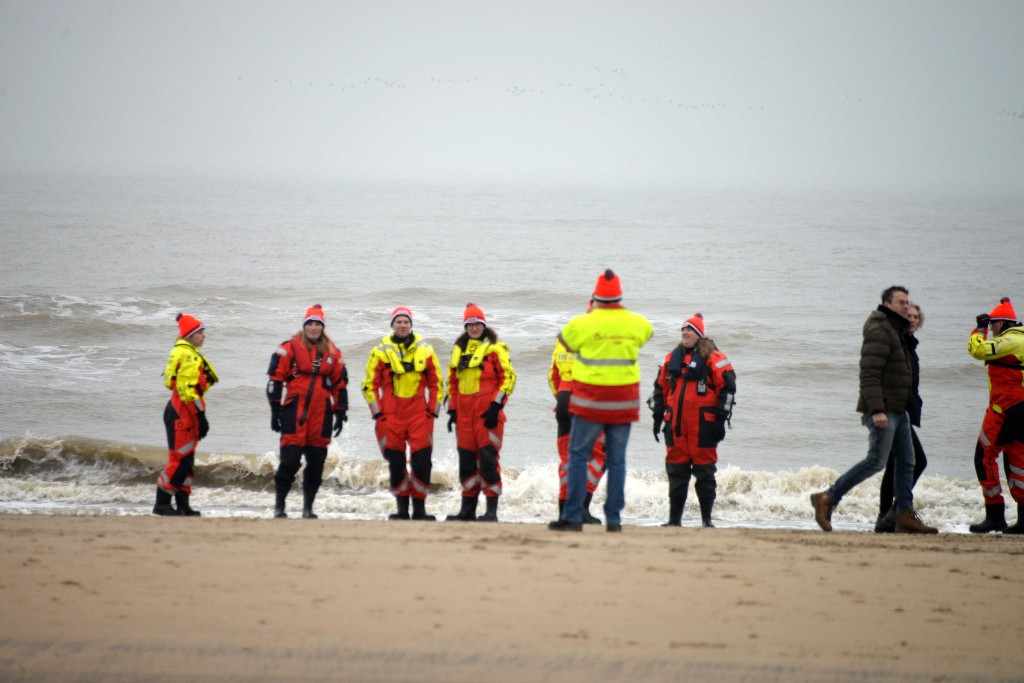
(208, 371)
(315, 367)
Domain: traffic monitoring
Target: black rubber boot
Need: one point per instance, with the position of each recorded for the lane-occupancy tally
(706, 504)
(468, 511)
(587, 517)
(492, 510)
(675, 511)
(561, 508)
(403, 508)
(280, 494)
(184, 509)
(307, 505)
(419, 510)
(163, 505)
(995, 520)
(1018, 527)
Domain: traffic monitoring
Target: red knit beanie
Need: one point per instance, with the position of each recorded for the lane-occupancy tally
(187, 325)
(1004, 311)
(401, 310)
(315, 313)
(473, 314)
(696, 323)
(608, 288)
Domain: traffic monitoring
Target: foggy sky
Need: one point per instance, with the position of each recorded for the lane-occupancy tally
(879, 93)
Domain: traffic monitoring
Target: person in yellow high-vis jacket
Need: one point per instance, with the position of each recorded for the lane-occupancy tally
(403, 387)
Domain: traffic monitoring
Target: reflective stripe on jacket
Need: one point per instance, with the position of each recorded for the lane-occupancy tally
(483, 368)
(403, 371)
(1003, 354)
(606, 369)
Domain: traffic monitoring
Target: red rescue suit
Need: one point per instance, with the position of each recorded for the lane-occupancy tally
(1002, 430)
(188, 375)
(696, 397)
(314, 388)
(403, 390)
(479, 375)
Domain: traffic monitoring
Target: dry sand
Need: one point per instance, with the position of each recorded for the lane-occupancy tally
(152, 599)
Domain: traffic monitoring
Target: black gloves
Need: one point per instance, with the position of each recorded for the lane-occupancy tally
(275, 416)
(491, 416)
(340, 418)
(983, 321)
(204, 426)
(451, 420)
(657, 429)
(377, 416)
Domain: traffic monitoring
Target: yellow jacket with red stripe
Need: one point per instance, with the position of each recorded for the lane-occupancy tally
(484, 367)
(560, 372)
(189, 374)
(402, 371)
(1004, 356)
(606, 369)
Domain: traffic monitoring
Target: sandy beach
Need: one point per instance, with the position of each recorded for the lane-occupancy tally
(128, 598)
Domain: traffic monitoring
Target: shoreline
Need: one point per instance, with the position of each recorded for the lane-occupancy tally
(125, 598)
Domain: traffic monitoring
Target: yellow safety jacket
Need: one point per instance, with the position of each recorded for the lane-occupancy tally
(483, 367)
(189, 374)
(403, 371)
(560, 372)
(607, 344)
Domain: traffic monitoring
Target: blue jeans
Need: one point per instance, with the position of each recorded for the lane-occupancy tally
(581, 442)
(895, 436)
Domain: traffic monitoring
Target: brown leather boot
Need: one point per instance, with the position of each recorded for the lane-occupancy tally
(823, 507)
(910, 523)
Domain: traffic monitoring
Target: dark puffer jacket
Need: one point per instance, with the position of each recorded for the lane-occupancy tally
(885, 373)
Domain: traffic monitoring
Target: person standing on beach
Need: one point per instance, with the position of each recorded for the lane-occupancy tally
(886, 522)
(560, 383)
(480, 382)
(693, 395)
(605, 396)
(885, 380)
(403, 387)
(308, 395)
(189, 376)
(1002, 430)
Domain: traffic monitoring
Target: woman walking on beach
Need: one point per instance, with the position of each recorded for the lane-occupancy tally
(307, 391)
(189, 376)
(480, 381)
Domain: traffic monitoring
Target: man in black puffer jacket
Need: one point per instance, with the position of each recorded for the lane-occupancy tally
(885, 384)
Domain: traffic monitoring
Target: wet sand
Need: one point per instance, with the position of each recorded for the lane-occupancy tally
(130, 598)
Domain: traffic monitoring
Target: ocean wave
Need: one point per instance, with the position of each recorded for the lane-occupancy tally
(82, 476)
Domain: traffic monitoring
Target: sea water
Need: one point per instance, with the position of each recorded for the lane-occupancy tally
(95, 270)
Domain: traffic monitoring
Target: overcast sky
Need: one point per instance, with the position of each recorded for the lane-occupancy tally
(654, 92)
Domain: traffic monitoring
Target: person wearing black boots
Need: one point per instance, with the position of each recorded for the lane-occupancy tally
(1002, 430)
(308, 397)
(189, 376)
(403, 388)
(480, 382)
(693, 397)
